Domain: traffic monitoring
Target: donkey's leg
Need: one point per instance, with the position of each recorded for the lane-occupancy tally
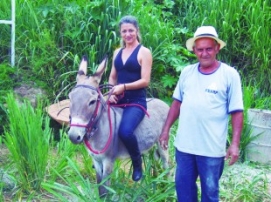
(108, 165)
(165, 160)
(164, 156)
(99, 177)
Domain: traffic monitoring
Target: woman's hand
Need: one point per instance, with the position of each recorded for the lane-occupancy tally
(113, 99)
(118, 89)
(117, 93)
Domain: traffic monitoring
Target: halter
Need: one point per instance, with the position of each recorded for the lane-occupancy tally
(91, 125)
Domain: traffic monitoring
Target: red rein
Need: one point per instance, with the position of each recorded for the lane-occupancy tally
(108, 141)
(110, 126)
(93, 120)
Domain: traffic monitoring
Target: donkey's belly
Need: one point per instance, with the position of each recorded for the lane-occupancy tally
(150, 128)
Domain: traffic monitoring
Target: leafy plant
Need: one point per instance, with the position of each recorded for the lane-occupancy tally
(79, 187)
(27, 139)
(76, 186)
(1, 189)
(58, 156)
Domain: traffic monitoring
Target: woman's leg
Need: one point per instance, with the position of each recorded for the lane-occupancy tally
(131, 118)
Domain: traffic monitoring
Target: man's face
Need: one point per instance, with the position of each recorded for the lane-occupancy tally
(206, 50)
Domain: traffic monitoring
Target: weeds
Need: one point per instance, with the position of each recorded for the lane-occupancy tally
(59, 152)
(73, 187)
(78, 187)
(245, 183)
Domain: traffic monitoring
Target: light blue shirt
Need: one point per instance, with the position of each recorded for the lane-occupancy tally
(207, 100)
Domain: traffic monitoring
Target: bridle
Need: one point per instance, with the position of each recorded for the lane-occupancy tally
(91, 125)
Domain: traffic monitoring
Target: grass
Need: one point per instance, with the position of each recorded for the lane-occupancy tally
(240, 182)
(27, 138)
(75, 187)
(69, 176)
(246, 182)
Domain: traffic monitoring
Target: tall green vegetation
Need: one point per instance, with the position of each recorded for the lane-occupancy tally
(6, 83)
(59, 151)
(27, 138)
(77, 187)
(244, 24)
(52, 36)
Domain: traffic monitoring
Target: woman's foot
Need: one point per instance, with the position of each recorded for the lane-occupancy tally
(137, 169)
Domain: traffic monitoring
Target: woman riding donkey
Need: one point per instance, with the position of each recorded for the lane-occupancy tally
(130, 75)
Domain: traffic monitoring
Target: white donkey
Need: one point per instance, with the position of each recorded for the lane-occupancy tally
(95, 122)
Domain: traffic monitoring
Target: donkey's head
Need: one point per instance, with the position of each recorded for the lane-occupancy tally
(84, 101)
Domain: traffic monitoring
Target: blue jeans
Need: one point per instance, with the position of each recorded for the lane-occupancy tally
(131, 118)
(189, 167)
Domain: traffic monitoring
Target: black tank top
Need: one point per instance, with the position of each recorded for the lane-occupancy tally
(130, 72)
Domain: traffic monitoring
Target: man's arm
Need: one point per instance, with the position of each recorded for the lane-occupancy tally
(173, 114)
(237, 126)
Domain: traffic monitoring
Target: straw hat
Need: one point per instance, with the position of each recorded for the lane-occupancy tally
(203, 32)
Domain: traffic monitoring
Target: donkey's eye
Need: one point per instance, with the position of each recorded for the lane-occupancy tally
(91, 102)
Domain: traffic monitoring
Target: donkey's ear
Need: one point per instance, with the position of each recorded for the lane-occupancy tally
(83, 66)
(100, 70)
(82, 72)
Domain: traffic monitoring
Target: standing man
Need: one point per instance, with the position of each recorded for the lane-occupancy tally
(206, 94)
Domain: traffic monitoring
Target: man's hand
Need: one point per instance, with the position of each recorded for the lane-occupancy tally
(232, 154)
(164, 140)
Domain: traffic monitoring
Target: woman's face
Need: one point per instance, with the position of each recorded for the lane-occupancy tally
(128, 33)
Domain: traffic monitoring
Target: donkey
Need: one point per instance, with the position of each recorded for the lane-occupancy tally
(95, 122)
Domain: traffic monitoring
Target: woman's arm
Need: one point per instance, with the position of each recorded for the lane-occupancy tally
(113, 74)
